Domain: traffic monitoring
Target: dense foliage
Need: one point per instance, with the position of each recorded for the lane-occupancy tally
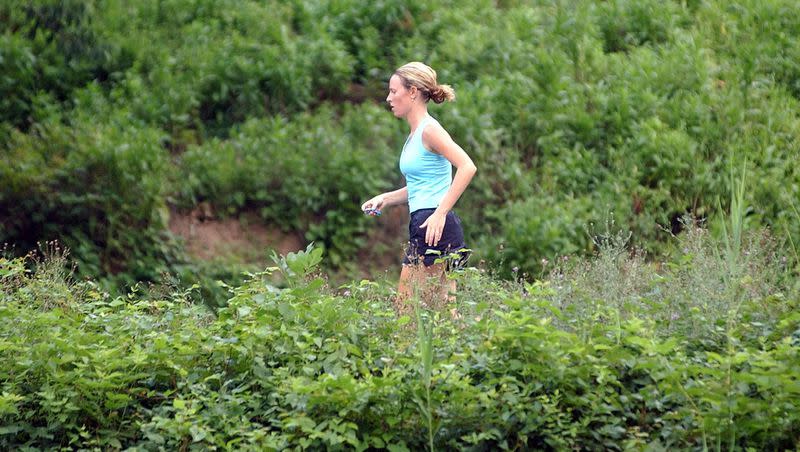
(112, 112)
(610, 353)
(638, 114)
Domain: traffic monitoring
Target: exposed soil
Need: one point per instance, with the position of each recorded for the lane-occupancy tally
(244, 238)
(247, 239)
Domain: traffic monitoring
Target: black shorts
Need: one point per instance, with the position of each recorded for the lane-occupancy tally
(452, 242)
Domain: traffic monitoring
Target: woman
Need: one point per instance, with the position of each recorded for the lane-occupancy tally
(431, 190)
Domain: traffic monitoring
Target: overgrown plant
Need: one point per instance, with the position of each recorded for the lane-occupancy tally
(425, 345)
(307, 367)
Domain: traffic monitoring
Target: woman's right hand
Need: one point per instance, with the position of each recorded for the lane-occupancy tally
(376, 203)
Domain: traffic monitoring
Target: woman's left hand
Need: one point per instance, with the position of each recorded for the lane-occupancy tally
(435, 225)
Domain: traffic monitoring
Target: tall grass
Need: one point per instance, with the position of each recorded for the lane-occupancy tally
(713, 290)
(732, 238)
(426, 352)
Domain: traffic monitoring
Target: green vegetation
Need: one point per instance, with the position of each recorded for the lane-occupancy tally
(646, 116)
(607, 353)
(115, 113)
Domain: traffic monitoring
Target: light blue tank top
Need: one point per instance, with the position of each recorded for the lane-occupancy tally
(428, 175)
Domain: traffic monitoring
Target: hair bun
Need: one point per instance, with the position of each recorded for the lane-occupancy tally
(423, 77)
(442, 93)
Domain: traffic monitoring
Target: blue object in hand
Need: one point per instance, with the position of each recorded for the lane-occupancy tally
(372, 212)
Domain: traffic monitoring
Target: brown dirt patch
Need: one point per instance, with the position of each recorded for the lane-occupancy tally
(244, 238)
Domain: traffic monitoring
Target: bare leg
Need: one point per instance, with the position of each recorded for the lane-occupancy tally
(445, 293)
(448, 288)
(437, 285)
(442, 291)
(430, 283)
(409, 282)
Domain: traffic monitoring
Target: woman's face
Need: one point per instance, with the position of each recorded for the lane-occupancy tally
(399, 97)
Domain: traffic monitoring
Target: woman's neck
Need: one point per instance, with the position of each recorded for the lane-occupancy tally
(416, 116)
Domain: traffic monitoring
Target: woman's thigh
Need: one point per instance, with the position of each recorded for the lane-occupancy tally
(430, 283)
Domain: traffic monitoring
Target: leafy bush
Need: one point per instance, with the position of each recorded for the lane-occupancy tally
(637, 108)
(229, 63)
(628, 24)
(53, 48)
(310, 174)
(590, 359)
(541, 224)
(97, 188)
(372, 34)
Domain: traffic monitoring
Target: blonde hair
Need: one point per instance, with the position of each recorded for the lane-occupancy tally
(424, 78)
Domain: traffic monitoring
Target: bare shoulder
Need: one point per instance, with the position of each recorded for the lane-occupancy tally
(435, 137)
(434, 129)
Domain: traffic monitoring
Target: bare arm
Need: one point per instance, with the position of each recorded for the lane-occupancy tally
(388, 199)
(396, 198)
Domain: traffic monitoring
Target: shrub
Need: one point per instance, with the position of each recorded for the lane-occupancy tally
(628, 24)
(592, 358)
(310, 174)
(54, 48)
(97, 188)
(606, 103)
(537, 229)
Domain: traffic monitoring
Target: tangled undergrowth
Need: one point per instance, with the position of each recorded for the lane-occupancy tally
(614, 352)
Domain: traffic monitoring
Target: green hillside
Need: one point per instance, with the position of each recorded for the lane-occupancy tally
(635, 222)
(115, 115)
